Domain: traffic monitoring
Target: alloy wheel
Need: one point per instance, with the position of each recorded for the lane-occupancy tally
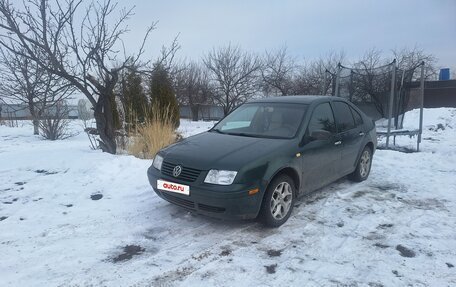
(365, 163)
(281, 200)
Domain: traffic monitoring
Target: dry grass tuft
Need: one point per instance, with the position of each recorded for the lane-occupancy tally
(153, 135)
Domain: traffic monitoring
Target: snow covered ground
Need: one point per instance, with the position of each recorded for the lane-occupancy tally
(71, 216)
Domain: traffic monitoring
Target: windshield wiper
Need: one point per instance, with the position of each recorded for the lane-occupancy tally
(256, 136)
(245, 135)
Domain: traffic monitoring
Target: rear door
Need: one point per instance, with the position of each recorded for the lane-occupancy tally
(320, 157)
(350, 134)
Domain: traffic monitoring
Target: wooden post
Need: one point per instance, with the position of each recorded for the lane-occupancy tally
(391, 100)
(421, 107)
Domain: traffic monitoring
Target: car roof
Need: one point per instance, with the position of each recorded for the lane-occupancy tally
(298, 99)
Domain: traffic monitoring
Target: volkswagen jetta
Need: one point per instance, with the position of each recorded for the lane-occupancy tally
(261, 157)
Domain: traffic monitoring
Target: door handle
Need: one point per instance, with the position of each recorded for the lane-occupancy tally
(361, 134)
(338, 143)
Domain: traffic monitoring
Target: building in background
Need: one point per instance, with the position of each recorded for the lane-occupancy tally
(21, 112)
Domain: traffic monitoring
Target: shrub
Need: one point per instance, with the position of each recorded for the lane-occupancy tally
(134, 98)
(54, 124)
(163, 98)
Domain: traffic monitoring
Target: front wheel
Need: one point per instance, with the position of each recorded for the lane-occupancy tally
(278, 201)
(363, 167)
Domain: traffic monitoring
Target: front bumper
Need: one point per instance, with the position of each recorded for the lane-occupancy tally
(226, 202)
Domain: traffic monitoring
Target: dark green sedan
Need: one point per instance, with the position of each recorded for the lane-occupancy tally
(260, 158)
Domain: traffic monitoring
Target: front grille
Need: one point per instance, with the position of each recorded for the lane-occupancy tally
(210, 208)
(190, 204)
(179, 201)
(187, 174)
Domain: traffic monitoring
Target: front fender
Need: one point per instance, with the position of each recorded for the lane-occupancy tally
(262, 170)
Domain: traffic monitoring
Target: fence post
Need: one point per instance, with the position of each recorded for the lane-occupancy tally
(421, 106)
(336, 93)
(391, 100)
(323, 88)
(350, 90)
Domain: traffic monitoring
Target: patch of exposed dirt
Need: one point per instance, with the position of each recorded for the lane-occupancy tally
(380, 245)
(128, 252)
(226, 252)
(274, 253)
(405, 252)
(271, 269)
(45, 172)
(385, 226)
(96, 196)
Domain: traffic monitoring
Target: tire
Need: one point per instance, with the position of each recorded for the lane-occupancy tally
(278, 201)
(363, 167)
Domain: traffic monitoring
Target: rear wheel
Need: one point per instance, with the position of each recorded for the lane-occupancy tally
(364, 166)
(278, 201)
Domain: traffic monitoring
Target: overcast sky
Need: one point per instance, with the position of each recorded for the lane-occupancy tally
(308, 28)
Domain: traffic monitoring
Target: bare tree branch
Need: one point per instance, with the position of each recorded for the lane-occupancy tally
(234, 73)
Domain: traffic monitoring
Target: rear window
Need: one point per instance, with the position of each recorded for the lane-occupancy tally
(357, 116)
(344, 117)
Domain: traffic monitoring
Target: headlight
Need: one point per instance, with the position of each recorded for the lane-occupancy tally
(158, 160)
(222, 177)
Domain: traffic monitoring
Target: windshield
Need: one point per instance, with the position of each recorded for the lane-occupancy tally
(269, 120)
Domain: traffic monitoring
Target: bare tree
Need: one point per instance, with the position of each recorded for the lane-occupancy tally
(192, 86)
(316, 77)
(372, 81)
(279, 72)
(75, 44)
(373, 75)
(411, 58)
(25, 82)
(234, 74)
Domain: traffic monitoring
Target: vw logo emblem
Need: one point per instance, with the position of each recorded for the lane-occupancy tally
(177, 170)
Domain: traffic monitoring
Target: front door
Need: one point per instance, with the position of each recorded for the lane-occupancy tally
(320, 157)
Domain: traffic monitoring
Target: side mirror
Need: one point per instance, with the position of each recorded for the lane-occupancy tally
(320, 135)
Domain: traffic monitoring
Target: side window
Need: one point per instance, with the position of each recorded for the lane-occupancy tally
(344, 117)
(357, 116)
(322, 119)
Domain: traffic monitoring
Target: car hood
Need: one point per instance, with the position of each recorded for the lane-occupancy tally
(210, 150)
